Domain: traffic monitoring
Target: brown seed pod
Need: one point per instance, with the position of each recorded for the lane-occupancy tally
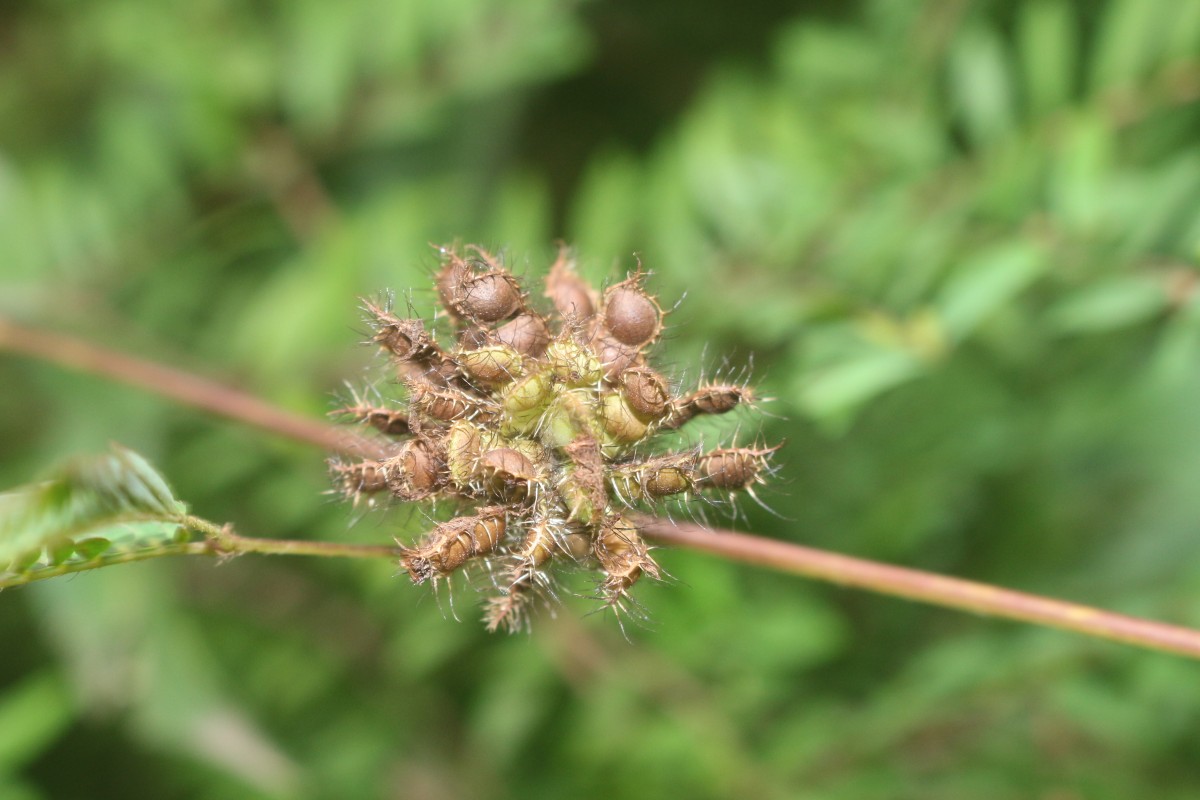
(448, 405)
(654, 478)
(717, 398)
(453, 543)
(366, 477)
(525, 333)
(614, 357)
(509, 474)
(406, 339)
(632, 317)
(418, 471)
(623, 556)
(487, 298)
(391, 421)
(573, 299)
(732, 468)
(646, 392)
(455, 270)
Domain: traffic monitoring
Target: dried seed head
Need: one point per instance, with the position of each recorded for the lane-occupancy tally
(631, 316)
(545, 417)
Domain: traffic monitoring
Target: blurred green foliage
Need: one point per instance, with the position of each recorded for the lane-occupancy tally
(960, 240)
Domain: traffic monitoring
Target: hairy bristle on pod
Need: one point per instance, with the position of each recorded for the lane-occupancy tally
(538, 420)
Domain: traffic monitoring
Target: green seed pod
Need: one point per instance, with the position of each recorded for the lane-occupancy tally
(619, 421)
(572, 363)
(492, 365)
(465, 443)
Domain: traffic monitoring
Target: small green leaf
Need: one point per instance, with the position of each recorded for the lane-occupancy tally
(85, 508)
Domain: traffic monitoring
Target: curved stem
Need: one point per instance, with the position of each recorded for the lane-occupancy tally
(820, 565)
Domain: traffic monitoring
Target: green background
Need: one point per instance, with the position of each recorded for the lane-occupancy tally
(960, 240)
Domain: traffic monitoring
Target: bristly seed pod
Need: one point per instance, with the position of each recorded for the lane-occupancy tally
(509, 474)
(573, 299)
(549, 420)
(390, 421)
(646, 392)
(366, 477)
(526, 333)
(453, 543)
(732, 468)
(623, 556)
(717, 398)
(405, 339)
(417, 472)
(631, 316)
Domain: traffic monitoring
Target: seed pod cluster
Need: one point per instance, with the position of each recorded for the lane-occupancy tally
(538, 419)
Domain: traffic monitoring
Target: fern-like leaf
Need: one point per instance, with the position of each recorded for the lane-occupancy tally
(90, 512)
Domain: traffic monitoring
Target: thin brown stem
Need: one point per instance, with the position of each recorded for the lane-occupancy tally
(183, 387)
(925, 587)
(820, 565)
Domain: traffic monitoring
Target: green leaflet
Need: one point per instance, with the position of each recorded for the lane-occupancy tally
(98, 508)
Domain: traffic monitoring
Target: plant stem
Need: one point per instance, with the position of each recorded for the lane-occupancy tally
(219, 541)
(222, 541)
(924, 587)
(822, 565)
(183, 387)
